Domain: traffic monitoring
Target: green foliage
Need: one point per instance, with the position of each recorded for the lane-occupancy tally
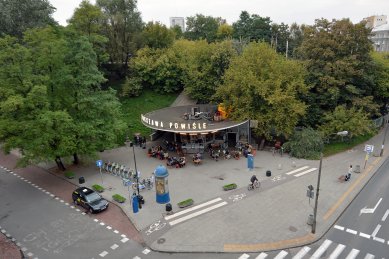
(252, 28)
(202, 27)
(381, 76)
(157, 35)
(98, 188)
(353, 120)
(306, 143)
(18, 16)
(69, 174)
(185, 203)
(118, 198)
(262, 85)
(132, 87)
(341, 146)
(224, 32)
(230, 186)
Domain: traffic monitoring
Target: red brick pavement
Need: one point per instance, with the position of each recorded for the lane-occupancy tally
(113, 216)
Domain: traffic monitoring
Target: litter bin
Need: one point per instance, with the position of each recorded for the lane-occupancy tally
(81, 180)
(357, 169)
(310, 220)
(141, 199)
(268, 173)
(169, 207)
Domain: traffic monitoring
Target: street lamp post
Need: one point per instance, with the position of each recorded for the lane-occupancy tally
(136, 174)
(383, 141)
(317, 196)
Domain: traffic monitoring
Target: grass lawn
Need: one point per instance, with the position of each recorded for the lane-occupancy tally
(148, 101)
(336, 147)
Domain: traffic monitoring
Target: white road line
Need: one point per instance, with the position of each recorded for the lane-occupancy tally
(124, 240)
(244, 256)
(62, 201)
(369, 256)
(377, 228)
(123, 235)
(67, 204)
(353, 253)
(281, 255)
(364, 235)
(381, 240)
(193, 208)
(116, 232)
(195, 214)
(30, 254)
(24, 249)
(108, 227)
(102, 223)
(338, 250)
(146, 251)
(305, 172)
(113, 247)
(261, 256)
(136, 257)
(302, 252)
(103, 253)
(339, 227)
(297, 170)
(321, 249)
(80, 210)
(385, 216)
(352, 231)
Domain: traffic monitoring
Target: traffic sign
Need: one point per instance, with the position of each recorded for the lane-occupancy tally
(369, 148)
(99, 163)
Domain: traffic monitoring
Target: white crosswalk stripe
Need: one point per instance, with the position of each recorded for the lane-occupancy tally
(369, 256)
(338, 250)
(302, 252)
(297, 172)
(261, 256)
(353, 254)
(244, 256)
(281, 255)
(321, 249)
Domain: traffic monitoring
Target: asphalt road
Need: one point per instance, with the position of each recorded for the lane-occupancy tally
(47, 227)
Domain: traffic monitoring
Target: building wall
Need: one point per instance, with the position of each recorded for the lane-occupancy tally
(180, 21)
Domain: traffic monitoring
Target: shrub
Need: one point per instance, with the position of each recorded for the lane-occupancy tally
(118, 198)
(185, 203)
(230, 186)
(306, 143)
(98, 188)
(69, 174)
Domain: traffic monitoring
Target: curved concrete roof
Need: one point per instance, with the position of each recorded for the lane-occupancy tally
(171, 119)
(383, 27)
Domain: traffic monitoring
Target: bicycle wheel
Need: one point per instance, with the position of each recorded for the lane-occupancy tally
(249, 187)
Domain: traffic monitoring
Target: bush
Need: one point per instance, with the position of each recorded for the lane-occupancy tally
(185, 203)
(69, 174)
(230, 186)
(98, 188)
(306, 143)
(118, 198)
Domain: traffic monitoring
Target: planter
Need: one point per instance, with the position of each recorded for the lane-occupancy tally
(185, 203)
(69, 174)
(98, 188)
(118, 198)
(229, 187)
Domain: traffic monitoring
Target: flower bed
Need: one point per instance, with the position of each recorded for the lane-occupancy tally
(118, 198)
(185, 203)
(98, 188)
(230, 186)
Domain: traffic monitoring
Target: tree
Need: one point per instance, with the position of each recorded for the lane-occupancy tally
(280, 37)
(202, 27)
(178, 33)
(252, 28)
(18, 16)
(224, 32)
(157, 35)
(337, 57)
(306, 143)
(122, 25)
(262, 85)
(381, 78)
(87, 20)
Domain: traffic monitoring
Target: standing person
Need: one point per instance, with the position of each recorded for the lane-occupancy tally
(350, 170)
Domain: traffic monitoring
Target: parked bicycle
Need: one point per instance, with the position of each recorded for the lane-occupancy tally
(253, 186)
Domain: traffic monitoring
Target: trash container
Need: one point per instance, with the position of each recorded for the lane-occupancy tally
(268, 173)
(168, 207)
(357, 169)
(310, 220)
(141, 199)
(81, 180)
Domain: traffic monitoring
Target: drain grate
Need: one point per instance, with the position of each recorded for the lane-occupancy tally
(161, 240)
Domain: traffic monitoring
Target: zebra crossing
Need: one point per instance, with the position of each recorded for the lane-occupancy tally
(301, 171)
(328, 249)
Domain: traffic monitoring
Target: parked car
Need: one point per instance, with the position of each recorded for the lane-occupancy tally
(89, 199)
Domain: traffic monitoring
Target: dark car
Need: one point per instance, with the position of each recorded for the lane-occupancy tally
(89, 199)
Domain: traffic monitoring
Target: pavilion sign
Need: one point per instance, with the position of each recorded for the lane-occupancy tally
(170, 125)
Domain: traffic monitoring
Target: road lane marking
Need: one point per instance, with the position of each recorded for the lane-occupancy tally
(339, 227)
(353, 253)
(381, 240)
(103, 253)
(321, 249)
(338, 250)
(244, 256)
(195, 214)
(369, 256)
(385, 216)
(123, 235)
(124, 240)
(297, 170)
(377, 228)
(193, 208)
(146, 251)
(261, 256)
(302, 252)
(113, 247)
(351, 231)
(305, 172)
(370, 210)
(281, 255)
(364, 235)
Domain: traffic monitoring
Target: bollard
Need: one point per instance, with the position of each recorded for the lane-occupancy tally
(279, 166)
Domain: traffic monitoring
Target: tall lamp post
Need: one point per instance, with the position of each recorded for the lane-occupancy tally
(383, 141)
(136, 172)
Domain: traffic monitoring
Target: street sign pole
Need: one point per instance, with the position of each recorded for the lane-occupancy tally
(101, 175)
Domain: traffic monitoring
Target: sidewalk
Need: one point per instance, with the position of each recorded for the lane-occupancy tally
(273, 217)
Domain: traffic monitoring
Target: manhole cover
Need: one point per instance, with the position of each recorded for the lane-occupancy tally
(293, 229)
(161, 240)
(220, 178)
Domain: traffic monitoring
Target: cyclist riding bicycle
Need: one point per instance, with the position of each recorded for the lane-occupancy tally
(253, 180)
